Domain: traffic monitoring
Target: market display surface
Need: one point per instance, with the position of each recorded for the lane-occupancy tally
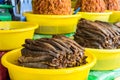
(59, 43)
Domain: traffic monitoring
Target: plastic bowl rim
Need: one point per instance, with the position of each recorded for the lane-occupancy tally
(47, 71)
(105, 50)
(50, 16)
(95, 13)
(34, 26)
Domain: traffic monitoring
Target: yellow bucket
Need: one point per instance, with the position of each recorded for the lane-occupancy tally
(96, 16)
(115, 17)
(106, 59)
(15, 34)
(53, 24)
(9, 60)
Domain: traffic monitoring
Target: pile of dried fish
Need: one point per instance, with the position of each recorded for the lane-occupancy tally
(52, 53)
(98, 34)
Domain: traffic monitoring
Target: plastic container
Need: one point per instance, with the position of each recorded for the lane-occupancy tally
(96, 16)
(115, 17)
(4, 12)
(16, 72)
(15, 33)
(3, 70)
(106, 59)
(53, 24)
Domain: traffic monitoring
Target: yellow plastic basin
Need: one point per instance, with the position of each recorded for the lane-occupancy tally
(15, 34)
(96, 16)
(115, 17)
(9, 60)
(53, 24)
(106, 59)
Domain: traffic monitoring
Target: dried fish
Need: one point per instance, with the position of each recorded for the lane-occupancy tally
(52, 53)
(97, 34)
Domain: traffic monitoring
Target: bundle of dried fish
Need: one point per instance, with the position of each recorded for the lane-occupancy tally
(117, 24)
(56, 52)
(98, 34)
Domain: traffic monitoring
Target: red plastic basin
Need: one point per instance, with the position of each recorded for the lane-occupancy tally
(3, 70)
